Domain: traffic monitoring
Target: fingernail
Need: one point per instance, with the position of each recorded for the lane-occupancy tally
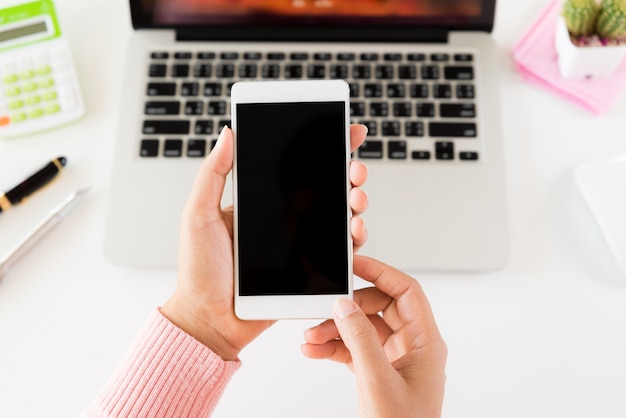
(221, 135)
(344, 307)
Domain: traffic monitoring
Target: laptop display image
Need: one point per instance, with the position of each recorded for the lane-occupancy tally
(422, 77)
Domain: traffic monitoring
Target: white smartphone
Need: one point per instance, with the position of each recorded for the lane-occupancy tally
(293, 245)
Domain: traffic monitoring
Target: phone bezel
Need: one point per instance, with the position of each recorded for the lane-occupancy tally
(318, 306)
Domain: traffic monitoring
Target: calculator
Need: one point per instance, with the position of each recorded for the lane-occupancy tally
(39, 86)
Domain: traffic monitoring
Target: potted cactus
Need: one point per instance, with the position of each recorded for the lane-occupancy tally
(590, 37)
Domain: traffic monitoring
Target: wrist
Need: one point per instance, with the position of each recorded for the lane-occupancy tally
(193, 325)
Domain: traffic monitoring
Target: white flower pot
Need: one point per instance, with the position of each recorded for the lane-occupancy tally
(584, 62)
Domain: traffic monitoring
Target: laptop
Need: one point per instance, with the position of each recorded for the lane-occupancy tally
(423, 77)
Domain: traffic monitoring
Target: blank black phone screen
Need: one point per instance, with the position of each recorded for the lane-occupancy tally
(291, 199)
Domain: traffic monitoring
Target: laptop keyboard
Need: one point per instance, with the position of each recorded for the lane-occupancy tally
(419, 107)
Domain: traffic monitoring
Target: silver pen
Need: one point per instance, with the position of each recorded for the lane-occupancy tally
(38, 231)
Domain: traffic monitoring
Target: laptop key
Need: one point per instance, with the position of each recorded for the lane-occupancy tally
(372, 90)
(468, 156)
(206, 55)
(189, 89)
(371, 149)
(149, 148)
(357, 109)
(247, 71)
(173, 148)
(162, 108)
(430, 72)
(465, 91)
(442, 91)
(212, 89)
(372, 127)
(157, 70)
(450, 129)
(463, 57)
(425, 110)
(384, 72)
(338, 71)
(194, 107)
(275, 56)
(402, 109)
(458, 73)
(379, 109)
(444, 150)
(420, 155)
(224, 70)
(407, 72)
(355, 89)
(229, 56)
(270, 71)
(180, 70)
(293, 71)
(390, 128)
(396, 90)
(252, 56)
(346, 56)
(316, 71)
(361, 71)
(159, 55)
(396, 150)
(392, 57)
(157, 127)
(203, 127)
(416, 57)
(196, 148)
(322, 56)
(202, 70)
(161, 89)
(457, 110)
(299, 56)
(440, 57)
(216, 107)
(414, 128)
(419, 91)
(369, 56)
(182, 55)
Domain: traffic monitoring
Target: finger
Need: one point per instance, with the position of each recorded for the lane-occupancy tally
(410, 303)
(357, 136)
(358, 173)
(358, 201)
(334, 350)
(209, 184)
(361, 338)
(359, 233)
(372, 300)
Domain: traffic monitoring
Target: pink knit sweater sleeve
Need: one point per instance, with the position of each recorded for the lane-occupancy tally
(166, 373)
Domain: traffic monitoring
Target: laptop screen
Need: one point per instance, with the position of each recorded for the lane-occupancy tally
(449, 14)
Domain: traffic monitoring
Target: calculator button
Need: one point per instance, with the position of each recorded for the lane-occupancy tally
(16, 104)
(27, 74)
(30, 87)
(53, 108)
(45, 83)
(44, 70)
(12, 91)
(18, 117)
(10, 78)
(36, 113)
(33, 100)
(50, 95)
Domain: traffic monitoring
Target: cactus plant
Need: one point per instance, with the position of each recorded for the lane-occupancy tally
(611, 22)
(580, 16)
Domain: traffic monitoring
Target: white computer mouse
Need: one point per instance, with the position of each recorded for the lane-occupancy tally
(602, 183)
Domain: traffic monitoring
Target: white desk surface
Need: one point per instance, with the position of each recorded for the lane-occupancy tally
(544, 337)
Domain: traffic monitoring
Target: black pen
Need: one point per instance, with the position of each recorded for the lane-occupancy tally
(32, 183)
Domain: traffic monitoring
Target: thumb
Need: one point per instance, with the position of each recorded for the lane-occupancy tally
(360, 337)
(210, 180)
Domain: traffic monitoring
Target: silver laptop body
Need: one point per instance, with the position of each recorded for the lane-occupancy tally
(436, 170)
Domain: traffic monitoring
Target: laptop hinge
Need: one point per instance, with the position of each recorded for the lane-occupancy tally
(325, 34)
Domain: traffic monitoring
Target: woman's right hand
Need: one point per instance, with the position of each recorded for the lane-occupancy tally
(398, 357)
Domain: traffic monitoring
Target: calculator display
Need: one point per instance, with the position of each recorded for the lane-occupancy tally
(20, 32)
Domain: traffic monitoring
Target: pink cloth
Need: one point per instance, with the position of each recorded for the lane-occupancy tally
(535, 56)
(166, 373)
